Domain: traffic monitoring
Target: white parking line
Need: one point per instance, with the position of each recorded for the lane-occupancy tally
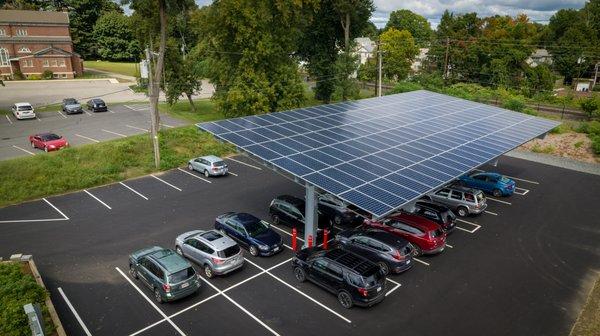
(7, 118)
(244, 163)
(61, 114)
(38, 119)
(115, 133)
(97, 199)
(284, 231)
(421, 261)
(230, 173)
(24, 150)
(450, 246)
(167, 183)
(491, 213)
(55, 208)
(194, 175)
(169, 126)
(477, 226)
(39, 220)
(397, 285)
(499, 201)
(111, 111)
(88, 113)
(135, 191)
(85, 329)
(521, 191)
(151, 303)
(91, 139)
(300, 292)
(241, 308)
(137, 128)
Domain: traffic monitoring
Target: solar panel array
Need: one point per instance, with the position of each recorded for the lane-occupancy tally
(382, 153)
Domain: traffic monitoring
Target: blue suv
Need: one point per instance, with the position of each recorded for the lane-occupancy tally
(492, 183)
(251, 232)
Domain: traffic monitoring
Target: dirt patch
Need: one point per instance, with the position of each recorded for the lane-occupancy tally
(588, 323)
(570, 145)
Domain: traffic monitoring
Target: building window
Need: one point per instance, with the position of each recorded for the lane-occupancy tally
(61, 63)
(21, 32)
(27, 63)
(2, 32)
(54, 63)
(63, 75)
(54, 75)
(24, 50)
(4, 57)
(46, 63)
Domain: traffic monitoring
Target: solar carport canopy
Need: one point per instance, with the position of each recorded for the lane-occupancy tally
(382, 153)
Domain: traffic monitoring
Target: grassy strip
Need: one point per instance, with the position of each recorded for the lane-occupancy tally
(588, 323)
(17, 288)
(205, 110)
(91, 165)
(123, 68)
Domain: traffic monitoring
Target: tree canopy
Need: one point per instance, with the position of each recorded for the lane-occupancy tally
(418, 27)
(114, 38)
(399, 50)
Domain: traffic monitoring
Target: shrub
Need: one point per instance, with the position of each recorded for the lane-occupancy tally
(406, 87)
(589, 106)
(591, 128)
(514, 104)
(47, 74)
(539, 149)
(578, 144)
(596, 144)
(18, 74)
(532, 112)
(34, 77)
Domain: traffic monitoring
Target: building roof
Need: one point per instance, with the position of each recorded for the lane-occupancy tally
(365, 43)
(27, 16)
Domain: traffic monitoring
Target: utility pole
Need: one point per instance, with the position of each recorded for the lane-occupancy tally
(152, 93)
(379, 69)
(596, 75)
(446, 58)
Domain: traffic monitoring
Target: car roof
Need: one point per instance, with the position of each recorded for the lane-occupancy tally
(169, 260)
(291, 199)
(215, 239)
(211, 158)
(384, 237)
(415, 220)
(486, 174)
(97, 100)
(22, 104)
(433, 206)
(461, 188)
(245, 218)
(352, 261)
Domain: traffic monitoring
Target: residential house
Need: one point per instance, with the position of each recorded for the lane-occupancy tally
(32, 42)
(418, 61)
(538, 57)
(365, 48)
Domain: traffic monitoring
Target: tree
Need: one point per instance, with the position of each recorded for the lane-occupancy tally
(83, 15)
(418, 26)
(370, 31)
(399, 51)
(183, 74)
(539, 79)
(589, 106)
(114, 38)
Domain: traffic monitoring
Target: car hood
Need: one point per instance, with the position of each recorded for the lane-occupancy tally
(58, 142)
(268, 237)
(73, 106)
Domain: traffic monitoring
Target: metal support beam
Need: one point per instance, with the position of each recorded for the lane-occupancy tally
(311, 217)
(542, 136)
(494, 162)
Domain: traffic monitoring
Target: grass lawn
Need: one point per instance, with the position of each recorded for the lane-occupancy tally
(123, 68)
(588, 323)
(91, 165)
(205, 110)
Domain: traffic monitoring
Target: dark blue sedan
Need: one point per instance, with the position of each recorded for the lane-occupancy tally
(492, 183)
(251, 232)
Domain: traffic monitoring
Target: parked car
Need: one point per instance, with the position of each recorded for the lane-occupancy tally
(426, 236)
(464, 201)
(492, 183)
(354, 279)
(71, 106)
(438, 213)
(48, 141)
(337, 211)
(209, 165)
(23, 111)
(289, 211)
(215, 252)
(251, 232)
(97, 105)
(391, 253)
(166, 273)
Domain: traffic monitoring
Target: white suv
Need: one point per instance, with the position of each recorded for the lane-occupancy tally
(23, 111)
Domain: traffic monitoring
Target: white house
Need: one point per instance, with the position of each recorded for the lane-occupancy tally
(418, 62)
(365, 48)
(538, 57)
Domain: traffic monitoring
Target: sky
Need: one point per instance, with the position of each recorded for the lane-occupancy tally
(432, 10)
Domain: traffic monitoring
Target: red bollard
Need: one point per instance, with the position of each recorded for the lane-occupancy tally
(325, 236)
(294, 238)
(310, 241)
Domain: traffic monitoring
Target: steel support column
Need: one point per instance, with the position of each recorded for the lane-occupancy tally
(312, 217)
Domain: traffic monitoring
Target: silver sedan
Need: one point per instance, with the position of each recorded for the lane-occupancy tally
(208, 165)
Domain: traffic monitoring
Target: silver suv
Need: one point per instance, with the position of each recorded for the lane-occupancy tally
(216, 253)
(464, 201)
(209, 165)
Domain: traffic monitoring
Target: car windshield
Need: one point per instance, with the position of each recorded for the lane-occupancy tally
(71, 101)
(182, 275)
(504, 179)
(229, 252)
(256, 228)
(219, 164)
(50, 137)
(99, 102)
(448, 216)
(25, 108)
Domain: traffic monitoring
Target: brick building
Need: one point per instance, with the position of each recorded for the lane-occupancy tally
(32, 42)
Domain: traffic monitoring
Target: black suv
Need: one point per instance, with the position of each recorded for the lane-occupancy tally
(393, 254)
(97, 105)
(289, 211)
(339, 212)
(354, 279)
(437, 213)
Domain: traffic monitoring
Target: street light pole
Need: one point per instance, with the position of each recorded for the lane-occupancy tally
(152, 93)
(379, 70)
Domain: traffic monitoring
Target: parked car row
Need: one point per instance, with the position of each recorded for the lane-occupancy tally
(25, 110)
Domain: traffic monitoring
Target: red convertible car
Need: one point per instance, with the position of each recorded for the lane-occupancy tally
(48, 141)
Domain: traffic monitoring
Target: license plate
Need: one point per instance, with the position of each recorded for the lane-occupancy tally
(378, 289)
(185, 285)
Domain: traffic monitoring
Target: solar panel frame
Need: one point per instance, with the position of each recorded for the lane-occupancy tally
(409, 143)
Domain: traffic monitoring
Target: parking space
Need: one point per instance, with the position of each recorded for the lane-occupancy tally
(78, 129)
(521, 251)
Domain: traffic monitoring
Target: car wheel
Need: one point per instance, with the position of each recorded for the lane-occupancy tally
(190, 167)
(275, 219)
(157, 296)
(299, 274)
(497, 193)
(254, 251)
(179, 251)
(345, 299)
(46, 149)
(206, 174)
(208, 271)
(133, 272)
(462, 211)
(384, 267)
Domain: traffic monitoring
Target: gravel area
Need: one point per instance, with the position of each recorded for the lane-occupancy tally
(562, 162)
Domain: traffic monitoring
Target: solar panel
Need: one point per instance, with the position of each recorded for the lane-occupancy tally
(381, 153)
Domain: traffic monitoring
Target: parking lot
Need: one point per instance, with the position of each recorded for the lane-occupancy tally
(85, 128)
(521, 268)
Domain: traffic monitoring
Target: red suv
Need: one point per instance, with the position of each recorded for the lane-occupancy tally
(427, 236)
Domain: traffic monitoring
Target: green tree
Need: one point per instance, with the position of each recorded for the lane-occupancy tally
(83, 15)
(589, 106)
(399, 51)
(417, 25)
(114, 39)
(538, 79)
(346, 86)
(183, 74)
